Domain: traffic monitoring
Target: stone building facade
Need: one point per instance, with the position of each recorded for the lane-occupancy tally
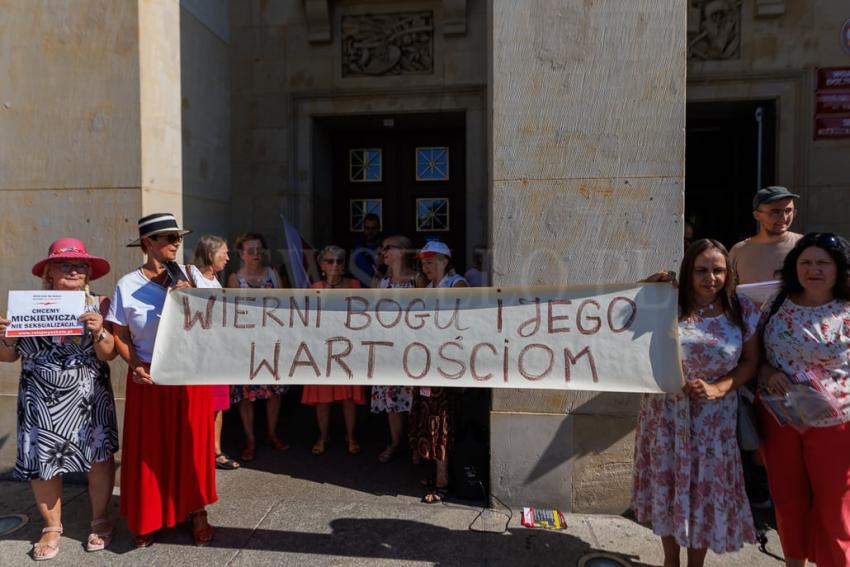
(550, 131)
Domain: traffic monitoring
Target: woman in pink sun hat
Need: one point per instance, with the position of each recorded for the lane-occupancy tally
(66, 409)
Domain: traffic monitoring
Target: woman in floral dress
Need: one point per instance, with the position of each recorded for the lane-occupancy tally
(688, 480)
(398, 256)
(251, 247)
(809, 471)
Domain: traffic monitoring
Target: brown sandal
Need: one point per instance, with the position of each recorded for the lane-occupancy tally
(143, 540)
(353, 446)
(319, 447)
(248, 452)
(204, 534)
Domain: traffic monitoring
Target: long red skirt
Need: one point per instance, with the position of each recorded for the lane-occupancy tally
(167, 461)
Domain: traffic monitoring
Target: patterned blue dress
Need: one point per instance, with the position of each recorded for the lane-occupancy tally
(66, 409)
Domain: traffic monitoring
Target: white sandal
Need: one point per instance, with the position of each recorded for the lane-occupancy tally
(99, 539)
(51, 547)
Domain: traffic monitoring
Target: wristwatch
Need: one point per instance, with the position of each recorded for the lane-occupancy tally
(101, 335)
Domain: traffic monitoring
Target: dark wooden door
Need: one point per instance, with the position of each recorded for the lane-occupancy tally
(722, 166)
(414, 180)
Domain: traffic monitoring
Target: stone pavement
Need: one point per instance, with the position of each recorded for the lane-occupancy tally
(295, 509)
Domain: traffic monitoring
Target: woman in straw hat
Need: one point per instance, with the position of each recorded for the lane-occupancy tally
(66, 410)
(168, 468)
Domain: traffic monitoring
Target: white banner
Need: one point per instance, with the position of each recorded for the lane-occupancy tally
(618, 338)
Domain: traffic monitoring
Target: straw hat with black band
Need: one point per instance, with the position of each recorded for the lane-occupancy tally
(157, 223)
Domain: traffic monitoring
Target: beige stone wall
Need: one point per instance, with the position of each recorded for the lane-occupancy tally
(91, 140)
(280, 77)
(70, 147)
(587, 158)
(778, 58)
(205, 104)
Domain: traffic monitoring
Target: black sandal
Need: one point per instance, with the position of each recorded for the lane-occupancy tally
(436, 495)
(226, 463)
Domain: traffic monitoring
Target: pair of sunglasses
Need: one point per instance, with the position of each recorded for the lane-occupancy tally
(172, 238)
(825, 240)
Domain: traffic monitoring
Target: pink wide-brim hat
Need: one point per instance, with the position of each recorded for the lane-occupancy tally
(72, 249)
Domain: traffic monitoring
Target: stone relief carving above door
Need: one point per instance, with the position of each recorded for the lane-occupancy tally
(714, 29)
(387, 44)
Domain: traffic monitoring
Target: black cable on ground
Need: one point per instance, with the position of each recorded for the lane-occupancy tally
(484, 508)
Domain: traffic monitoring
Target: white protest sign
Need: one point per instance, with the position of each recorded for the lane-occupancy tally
(45, 313)
(607, 338)
(759, 292)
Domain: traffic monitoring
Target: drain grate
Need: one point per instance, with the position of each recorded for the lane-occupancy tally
(602, 560)
(12, 522)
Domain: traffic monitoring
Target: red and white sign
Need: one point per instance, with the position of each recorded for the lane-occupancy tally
(45, 313)
(832, 102)
(832, 127)
(833, 78)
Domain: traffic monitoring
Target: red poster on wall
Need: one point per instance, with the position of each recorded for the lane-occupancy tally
(832, 104)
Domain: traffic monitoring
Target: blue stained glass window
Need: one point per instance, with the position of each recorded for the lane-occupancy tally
(359, 208)
(432, 215)
(364, 165)
(432, 164)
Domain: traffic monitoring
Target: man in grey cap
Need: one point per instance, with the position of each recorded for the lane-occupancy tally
(759, 258)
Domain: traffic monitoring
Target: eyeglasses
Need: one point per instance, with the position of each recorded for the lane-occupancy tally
(68, 267)
(171, 238)
(339, 261)
(825, 240)
(778, 213)
(253, 250)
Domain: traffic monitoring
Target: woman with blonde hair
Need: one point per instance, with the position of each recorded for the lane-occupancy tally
(66, 409)
(397, 254)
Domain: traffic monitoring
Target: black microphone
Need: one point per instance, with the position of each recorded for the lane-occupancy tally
(175, 274)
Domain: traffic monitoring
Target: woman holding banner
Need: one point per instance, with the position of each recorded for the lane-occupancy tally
(807, 347)
(66, 410)
(432, 413)
(167, 468)
(255, 274)
(210, 257)
(332, 264)
(398, 256)
(688, 480)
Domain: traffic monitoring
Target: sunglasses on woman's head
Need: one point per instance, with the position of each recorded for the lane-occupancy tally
(825, 240)
(172, 238)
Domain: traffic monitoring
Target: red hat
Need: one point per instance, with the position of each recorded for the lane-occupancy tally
(72, 249)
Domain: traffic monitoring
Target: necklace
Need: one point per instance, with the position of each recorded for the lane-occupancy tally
(336, 285)
(703, 309)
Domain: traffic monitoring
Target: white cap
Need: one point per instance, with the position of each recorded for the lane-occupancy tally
(434, 247)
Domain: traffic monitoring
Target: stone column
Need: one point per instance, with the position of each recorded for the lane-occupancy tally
(89, 139)
(587, 105)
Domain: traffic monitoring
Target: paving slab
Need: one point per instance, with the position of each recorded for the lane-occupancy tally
(290, 508)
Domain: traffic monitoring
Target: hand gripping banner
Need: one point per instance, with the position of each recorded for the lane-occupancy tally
(619, 338)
